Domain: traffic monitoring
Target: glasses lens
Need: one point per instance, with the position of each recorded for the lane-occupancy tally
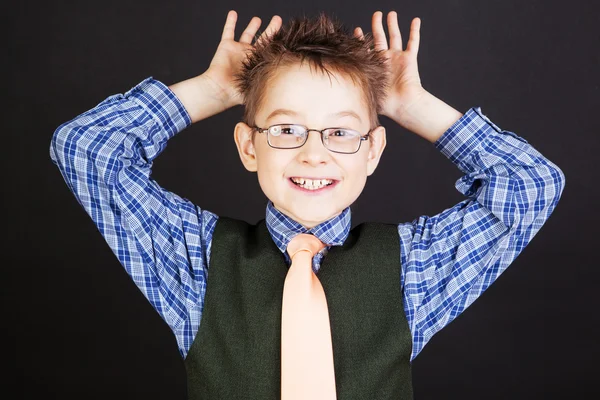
(286, 136)
(342, 140)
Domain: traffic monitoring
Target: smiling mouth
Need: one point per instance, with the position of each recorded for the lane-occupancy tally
(312, 184)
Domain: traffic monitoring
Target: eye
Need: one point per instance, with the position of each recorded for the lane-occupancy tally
(291, 130)
(275, 130)
(343, 133)
(339, 133)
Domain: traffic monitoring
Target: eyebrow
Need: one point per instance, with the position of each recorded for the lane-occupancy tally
(283, 111)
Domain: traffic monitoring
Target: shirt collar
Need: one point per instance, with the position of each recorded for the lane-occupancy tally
(282, 228)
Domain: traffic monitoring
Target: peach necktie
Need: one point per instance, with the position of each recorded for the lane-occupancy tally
(306, 350)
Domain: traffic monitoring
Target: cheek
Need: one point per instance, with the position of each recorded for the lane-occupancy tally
(356, 168)
(270, 168)
(356, 176)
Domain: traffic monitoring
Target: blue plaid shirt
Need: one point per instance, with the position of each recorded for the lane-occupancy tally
(163, 240)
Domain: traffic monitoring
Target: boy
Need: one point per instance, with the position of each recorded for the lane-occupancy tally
(219, 282)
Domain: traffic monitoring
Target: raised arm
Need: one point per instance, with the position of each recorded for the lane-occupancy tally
(511, 189)
(451, 258)
(105, 156)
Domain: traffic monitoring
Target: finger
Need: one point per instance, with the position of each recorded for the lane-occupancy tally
(250, 30)
(378, 32)
(229, 28)
(358, 33)
(273, 27)
(394, 31)
(415, 36)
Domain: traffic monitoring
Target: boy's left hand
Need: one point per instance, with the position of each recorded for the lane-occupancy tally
(405, 87)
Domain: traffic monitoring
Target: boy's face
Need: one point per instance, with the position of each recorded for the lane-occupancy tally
(313, 99)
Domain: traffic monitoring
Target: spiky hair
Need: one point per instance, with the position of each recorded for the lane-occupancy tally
(327, 45)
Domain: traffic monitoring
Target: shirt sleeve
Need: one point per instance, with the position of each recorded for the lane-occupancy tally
(105, 156)
(449, 259)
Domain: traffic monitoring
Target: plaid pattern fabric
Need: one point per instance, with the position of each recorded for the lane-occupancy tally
(163, 240)
(332, 232)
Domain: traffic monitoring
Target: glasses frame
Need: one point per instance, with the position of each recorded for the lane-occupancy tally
(321, 131)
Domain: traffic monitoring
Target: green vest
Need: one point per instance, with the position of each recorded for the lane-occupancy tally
(236, 352)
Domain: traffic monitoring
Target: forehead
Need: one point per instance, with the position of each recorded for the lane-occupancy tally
(301, 93)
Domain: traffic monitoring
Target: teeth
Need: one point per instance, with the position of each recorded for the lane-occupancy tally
(312, 184)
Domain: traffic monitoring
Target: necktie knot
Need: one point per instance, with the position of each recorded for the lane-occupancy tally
(306, 242)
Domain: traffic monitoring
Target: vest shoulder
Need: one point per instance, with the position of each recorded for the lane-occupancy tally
(237, 224)
(376, 227)
(232, 229)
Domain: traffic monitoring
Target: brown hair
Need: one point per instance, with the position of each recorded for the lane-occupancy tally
(324, 42)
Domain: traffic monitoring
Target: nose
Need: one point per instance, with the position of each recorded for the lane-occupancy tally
(313, 151)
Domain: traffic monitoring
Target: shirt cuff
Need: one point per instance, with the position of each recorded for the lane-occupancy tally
(467, 135)
(162, 104)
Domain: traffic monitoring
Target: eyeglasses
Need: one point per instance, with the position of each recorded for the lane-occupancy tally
(292, 136)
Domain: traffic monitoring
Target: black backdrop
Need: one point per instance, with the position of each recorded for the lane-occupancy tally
(78, 327)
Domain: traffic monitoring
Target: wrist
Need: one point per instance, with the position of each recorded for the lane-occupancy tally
(201, 97)
(399, 106)
(215, 89)
(426, 115)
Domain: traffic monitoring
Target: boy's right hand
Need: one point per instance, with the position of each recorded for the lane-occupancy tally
(228, 58)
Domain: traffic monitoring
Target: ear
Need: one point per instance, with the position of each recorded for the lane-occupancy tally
(378, 142)
(242, 135)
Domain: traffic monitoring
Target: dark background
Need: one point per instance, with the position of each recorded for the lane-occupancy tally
(79, 328)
